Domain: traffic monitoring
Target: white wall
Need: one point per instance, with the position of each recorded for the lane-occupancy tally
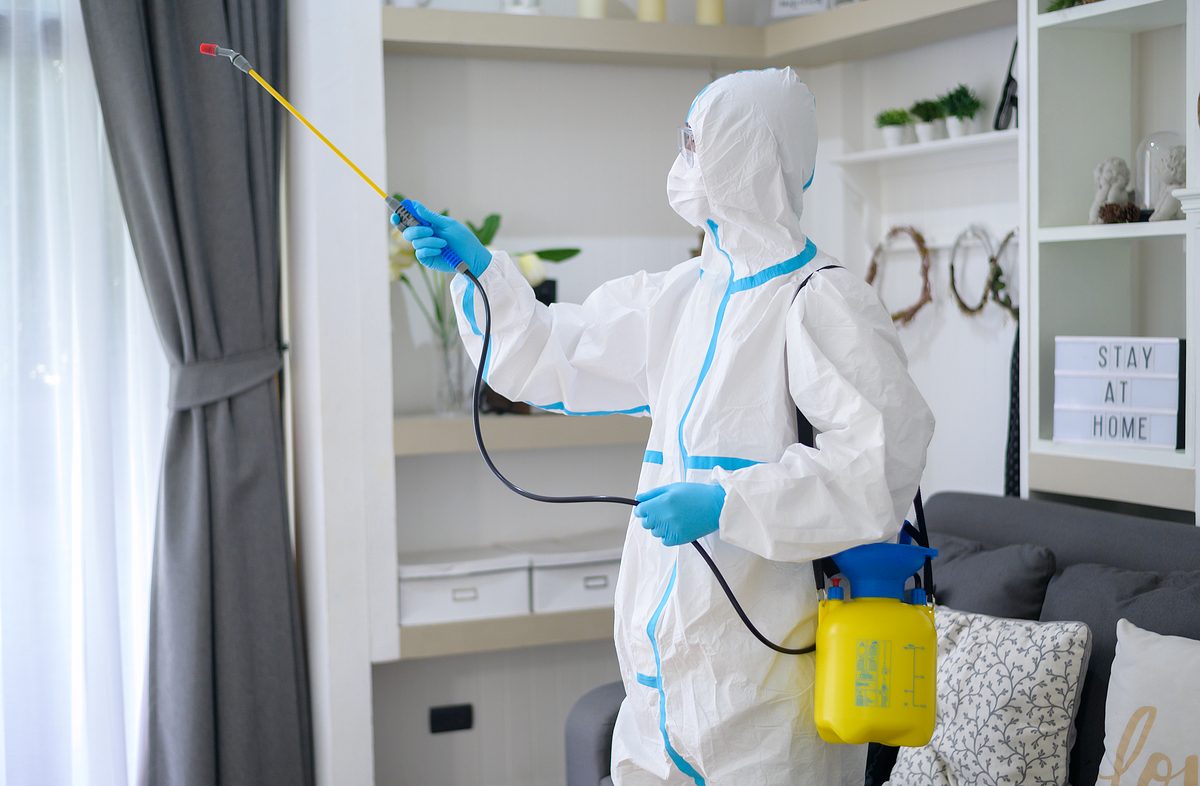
(578, 154)
(339, 373)
(520, 703)
(960, 363)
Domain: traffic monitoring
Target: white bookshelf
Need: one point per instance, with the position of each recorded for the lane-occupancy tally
(1086, 66)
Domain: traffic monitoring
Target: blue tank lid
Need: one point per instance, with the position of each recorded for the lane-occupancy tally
(879, 570)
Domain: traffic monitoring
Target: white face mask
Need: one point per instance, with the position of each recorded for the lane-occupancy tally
(685, 192)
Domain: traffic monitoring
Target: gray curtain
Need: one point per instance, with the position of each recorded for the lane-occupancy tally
(196, 147)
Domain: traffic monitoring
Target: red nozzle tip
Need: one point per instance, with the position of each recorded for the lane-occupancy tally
(208, 49)
(836, 582)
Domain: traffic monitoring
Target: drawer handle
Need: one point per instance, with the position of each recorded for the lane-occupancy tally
(464, 594)
(595, 582)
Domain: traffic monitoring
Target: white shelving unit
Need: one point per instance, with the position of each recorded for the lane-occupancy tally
(843, 33)
(1100, 77)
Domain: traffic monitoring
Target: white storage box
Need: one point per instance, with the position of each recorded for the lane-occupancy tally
(463, 584)
(1117, 355)
(576, 572)
(1083, 389)
(1116, 426)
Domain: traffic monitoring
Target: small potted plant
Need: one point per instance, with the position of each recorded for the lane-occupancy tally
(961, 105)
(931, 123)
(893, 123)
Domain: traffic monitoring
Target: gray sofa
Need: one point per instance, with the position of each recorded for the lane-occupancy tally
(1013, 558)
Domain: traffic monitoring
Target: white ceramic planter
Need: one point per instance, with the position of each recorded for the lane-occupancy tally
(893, 136)
(960, 126)
(927, 132)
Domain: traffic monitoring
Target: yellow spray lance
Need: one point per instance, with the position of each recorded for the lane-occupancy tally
(875, 651)
(402, 211)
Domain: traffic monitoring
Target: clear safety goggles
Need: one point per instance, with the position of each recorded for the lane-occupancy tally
(687, 144)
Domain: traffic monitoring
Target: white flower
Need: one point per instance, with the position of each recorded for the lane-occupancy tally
(532, 268)
(401, 254)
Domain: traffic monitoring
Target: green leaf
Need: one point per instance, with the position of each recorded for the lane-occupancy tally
(556, 254)
(487, 232)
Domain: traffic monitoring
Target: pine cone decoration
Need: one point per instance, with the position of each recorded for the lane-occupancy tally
(1113, 213)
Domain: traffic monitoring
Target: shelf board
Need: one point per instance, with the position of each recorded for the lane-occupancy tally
(505, 633)
(868, 29)
(423, 435)
(846, 32)
(563, 38)
(990, 140)
(1130, 16)
(1141, 229)
(1159, 478)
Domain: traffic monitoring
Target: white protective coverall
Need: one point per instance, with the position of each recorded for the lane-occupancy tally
(720, 351)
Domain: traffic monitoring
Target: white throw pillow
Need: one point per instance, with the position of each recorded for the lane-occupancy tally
(1007, 691)
(1152, 720)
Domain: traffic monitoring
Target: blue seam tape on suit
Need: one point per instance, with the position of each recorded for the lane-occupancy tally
(651, 628)
(712, 462)
(558, 407)
(712, 350)
(774, 271)
(653, 457)
(647, 680)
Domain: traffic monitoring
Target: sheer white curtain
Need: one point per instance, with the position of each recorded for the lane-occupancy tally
(82, 408)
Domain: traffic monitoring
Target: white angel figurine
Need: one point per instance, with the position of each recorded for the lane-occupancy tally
(1112, 185)
(1172, 173)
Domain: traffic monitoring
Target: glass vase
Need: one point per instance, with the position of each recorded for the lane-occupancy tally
(452, 394)
(1151, 167)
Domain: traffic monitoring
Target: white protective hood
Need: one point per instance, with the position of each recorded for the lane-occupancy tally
(756, 150)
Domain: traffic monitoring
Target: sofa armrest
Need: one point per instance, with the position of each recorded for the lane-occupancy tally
(589, 734)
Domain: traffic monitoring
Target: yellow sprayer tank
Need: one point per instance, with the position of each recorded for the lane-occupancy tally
(876, 651)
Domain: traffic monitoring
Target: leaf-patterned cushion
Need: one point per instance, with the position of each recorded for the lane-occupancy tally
(1007, 691)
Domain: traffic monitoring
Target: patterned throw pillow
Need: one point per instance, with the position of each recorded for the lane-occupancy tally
(1007, 692)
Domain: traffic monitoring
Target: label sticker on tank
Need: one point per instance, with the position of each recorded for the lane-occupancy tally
(873, 673)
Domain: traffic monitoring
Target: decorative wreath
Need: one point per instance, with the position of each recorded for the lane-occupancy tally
(905, 316)
(985, 240)
(997, 286)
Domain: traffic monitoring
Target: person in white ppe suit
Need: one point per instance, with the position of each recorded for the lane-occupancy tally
(720, 351)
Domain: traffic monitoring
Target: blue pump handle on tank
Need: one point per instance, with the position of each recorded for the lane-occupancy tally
(880, 570)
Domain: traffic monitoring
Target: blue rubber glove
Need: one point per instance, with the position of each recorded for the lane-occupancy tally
(679, 513)
(444, 231)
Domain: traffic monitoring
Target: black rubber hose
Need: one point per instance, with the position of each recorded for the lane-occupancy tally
(476, 396)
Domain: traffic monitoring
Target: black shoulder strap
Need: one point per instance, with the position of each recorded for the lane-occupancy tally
(805, 435)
